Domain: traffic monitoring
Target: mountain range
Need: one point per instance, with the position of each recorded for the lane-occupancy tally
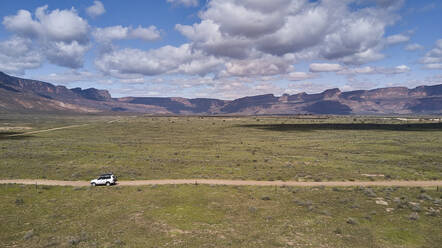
(25, 95)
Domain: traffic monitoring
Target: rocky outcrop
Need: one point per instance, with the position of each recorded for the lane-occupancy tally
(17, 94)
(177, 105)
(93, 94)
(242, 104)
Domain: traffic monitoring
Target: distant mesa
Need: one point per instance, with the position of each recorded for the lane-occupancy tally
(24, 95)
(328, 107)
(93, 94)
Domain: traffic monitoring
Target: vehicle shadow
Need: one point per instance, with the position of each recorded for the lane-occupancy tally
(13, 136)
(347, 126)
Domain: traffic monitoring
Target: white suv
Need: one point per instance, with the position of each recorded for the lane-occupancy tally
(105, 179)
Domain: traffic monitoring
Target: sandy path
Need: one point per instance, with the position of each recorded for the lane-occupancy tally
(230, 182)
(48, 130)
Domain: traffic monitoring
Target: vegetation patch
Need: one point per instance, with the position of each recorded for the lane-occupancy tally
(216, 216)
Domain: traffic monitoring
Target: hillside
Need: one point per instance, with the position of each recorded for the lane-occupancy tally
(24, 95)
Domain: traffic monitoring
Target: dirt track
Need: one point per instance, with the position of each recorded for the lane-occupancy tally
(230, 182)
(47, 130)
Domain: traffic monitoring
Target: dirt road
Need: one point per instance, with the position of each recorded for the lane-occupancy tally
(48, 130)
(230, 182)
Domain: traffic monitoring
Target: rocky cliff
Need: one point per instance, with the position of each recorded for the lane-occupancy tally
(17, 94)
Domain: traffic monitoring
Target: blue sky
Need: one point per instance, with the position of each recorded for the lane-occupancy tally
(223, 48)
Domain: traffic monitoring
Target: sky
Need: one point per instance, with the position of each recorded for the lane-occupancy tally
(223, 49)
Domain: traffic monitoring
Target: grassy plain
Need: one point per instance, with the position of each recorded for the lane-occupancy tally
(218, 216)
(259, 148)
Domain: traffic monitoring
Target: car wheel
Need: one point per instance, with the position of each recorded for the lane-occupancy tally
(93, 184)
(107, 183)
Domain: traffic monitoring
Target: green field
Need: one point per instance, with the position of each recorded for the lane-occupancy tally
(259, 148)
(218, 216)
(304, 148)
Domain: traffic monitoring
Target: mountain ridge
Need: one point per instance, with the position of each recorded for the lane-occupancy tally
(26, 95)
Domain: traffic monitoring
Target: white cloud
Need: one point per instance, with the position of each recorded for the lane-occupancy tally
(66, 54)
(148, 34)
(315, 30)
(374, 70)
(414, 47)
(360, 58)
(62, 35)
(435, 66)
(249, 38)
(167, 59)
(358, 70)
(207, 36)
(58, 25)
(17, 55)
(241, 18)
(401, 69)
(111, 33)
(325, 67)
(266, 66)
(119, 32)
(397, 38)
(199, 65)
(187, 3)
(96, 10)
(22, 24)
(299, 76)
(433, 58)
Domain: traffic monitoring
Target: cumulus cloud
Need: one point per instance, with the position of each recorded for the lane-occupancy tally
(374, 70)
(207, 37)
(187, 3)
(22, 24)
(398, 69)
(17, 55)
(325, 67)
(325, 29)
(434, 66)
(96, 9)
(413, 47)
(249, 38)
(62, 35)
(397, 38)
(299, 76)
(59, 25)
(119, 32)
(266, 66)
(433, 58)
(167, 59)
(66, 54)
(245, 18)
(148, 34)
